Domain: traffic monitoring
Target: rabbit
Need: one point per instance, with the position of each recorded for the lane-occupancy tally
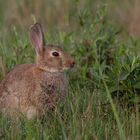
(31, 88)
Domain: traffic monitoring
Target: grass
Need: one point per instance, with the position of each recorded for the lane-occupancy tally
(103, 100)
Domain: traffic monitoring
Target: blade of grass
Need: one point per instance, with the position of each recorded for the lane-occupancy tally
(121, 132)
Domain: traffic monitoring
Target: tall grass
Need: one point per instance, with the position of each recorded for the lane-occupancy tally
(103, 100)
(20, 13)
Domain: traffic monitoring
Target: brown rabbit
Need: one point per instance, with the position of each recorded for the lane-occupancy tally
(30, 88)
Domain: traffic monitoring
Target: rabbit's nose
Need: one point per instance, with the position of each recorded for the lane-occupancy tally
(72, 64)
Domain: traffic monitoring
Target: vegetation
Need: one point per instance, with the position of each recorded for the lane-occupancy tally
(104, 93)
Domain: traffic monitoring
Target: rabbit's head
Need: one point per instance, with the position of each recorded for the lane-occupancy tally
(49, 57)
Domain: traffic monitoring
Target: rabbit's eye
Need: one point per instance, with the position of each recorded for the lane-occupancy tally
(55, 54)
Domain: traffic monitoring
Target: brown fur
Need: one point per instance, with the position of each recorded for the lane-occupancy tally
(31, 88)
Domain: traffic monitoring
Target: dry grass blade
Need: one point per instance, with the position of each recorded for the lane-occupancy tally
(2, 67)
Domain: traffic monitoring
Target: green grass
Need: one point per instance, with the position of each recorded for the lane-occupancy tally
(103, 100)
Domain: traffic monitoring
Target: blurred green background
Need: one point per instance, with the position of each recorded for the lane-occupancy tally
(104, 89)
(63, 14)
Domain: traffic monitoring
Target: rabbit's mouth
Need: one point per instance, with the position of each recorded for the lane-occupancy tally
(69, 65)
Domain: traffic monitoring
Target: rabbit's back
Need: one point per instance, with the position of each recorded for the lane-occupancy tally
(15, 88)
(14, 80)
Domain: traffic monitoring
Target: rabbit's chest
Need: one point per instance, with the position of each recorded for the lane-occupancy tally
(52, 89)
(52, 84)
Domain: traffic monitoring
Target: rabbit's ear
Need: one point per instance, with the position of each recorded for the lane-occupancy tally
(37, 37)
